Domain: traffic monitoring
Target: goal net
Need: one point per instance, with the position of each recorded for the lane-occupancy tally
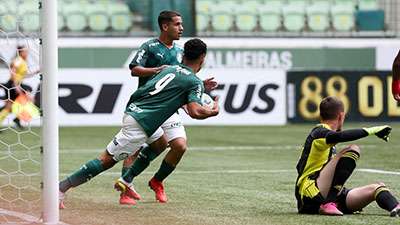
(20, 120)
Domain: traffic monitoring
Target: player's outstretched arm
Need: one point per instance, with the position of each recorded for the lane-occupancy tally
(381, 132)
(334, 137)
(197, 111)
(140, 71)
(396, 78)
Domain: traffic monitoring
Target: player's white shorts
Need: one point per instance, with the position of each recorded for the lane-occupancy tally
(173, 128)
(130, 138)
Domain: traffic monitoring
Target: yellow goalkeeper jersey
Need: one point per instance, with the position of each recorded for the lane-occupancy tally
(21, 69)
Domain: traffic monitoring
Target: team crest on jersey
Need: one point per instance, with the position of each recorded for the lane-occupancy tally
(179, 57)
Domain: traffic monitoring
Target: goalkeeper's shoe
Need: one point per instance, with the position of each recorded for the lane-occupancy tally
(61, 197)
(124, 199)
(127, 189)
(395, 212)
(330, 209)
(158, 188)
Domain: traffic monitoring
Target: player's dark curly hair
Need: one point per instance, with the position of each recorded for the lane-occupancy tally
(194, 48)
(166, 16)
(330, 107)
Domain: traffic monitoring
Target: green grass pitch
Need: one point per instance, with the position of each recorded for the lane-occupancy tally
(229, 175)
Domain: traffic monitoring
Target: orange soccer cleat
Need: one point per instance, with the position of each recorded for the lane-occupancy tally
(158, 188)
(126, 189)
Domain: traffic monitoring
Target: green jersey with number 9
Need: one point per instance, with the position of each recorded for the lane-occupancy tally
(161, 96)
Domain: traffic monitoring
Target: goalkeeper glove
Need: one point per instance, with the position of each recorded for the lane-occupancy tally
(382, 132)
(396, 89)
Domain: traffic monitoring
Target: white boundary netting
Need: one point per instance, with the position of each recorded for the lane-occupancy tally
(20, 148)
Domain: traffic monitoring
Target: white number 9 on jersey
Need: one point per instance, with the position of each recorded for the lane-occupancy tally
(162, 83)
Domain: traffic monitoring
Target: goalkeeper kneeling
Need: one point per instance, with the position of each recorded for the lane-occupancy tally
(322, 172)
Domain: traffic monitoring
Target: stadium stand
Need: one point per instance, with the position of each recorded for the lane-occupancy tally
(246, 16)
(120, 17)
(211, 17)
(74, 16)
(270, 15)
(97, 16)
(223, 15)
(368, 4)
(8, 20)
(30, 16)
(370, 20)
(343, 15)
(318, 16)
(294, 15)
(289, 16)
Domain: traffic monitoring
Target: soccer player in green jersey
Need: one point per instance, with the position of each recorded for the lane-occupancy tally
(149, 107)
(322, 172)
(153, 56)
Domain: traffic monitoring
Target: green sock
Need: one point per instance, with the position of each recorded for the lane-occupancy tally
(143, 160)
(164, 171)
(84, 174)
(124, 170)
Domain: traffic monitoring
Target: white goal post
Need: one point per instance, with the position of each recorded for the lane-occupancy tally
(49, 69)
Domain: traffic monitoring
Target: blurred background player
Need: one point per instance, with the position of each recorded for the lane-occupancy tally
(149, 107)
(153, 56)
(14, 86)
(322, 172)
(396, 77)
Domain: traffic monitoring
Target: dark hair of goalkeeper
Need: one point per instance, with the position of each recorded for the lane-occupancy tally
(330, 107)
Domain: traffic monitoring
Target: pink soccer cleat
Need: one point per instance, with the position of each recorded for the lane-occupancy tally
(330, 209)
(126, 189)
(124, 199)
(395, 212)
(61, 196)
(158, 188)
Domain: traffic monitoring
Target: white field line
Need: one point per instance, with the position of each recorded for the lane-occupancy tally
(363, 170)
(204, 172)
(211, 148)
(28, 218)
(379, 171)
